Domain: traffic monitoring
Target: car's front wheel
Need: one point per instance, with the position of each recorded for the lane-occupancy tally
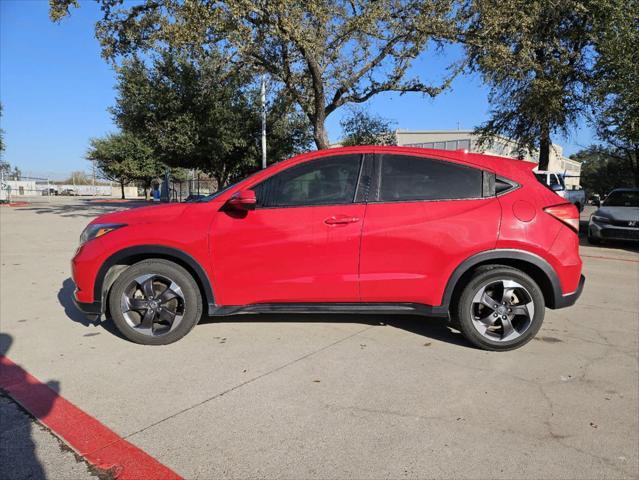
(155, 302)
(501, 308)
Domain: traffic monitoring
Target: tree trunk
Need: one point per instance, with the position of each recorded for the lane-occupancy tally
(544, 148)
(146, 192)
(122, 187)
(319, 133)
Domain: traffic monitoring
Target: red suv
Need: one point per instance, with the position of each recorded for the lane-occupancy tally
(359, 230)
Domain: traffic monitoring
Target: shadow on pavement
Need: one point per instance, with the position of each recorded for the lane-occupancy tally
(431, 328)
(65, 297)
(18, 458)
(84, 207)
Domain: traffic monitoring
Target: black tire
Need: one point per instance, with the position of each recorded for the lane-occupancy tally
(191, 300)
(462, 312)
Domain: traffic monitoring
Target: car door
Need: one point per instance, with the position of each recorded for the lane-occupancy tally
(424, 217)
(300, 244)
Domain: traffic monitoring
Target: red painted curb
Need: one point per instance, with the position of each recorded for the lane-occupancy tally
(99, 445)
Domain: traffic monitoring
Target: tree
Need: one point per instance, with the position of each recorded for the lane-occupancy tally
(123, 158)
(363, 128)
(78, 178)
(536, 57)
(604, 169)
(5, 168)
(615, 92)
(17, 173)
(326, 53)
(197, 115)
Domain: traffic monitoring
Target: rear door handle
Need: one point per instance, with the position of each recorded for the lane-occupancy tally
(340, 220)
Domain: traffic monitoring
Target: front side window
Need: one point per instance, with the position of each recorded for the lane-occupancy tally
(406, 178)
(327, 181)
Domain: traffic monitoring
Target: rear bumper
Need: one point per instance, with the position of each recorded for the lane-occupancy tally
(570, 298)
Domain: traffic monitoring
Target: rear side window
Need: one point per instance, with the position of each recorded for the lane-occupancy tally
(328, 181)
(406, 178)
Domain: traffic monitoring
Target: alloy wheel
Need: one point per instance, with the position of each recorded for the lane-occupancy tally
(153, 304)
(502, 310)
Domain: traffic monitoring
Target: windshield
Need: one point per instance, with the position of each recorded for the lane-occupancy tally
(554, 181)
(623, 199)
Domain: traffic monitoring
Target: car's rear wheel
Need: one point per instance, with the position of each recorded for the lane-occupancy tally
(155, 302)
(501, 308)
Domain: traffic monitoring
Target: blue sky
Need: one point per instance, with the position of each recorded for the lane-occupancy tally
(55, 89)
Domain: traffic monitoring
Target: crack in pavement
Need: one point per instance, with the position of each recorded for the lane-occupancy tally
(240, 385)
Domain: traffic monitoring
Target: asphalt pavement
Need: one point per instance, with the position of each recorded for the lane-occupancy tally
(324, 396)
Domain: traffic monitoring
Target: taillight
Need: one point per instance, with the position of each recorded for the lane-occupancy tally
(567, 213)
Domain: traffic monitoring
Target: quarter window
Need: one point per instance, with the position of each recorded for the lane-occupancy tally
(328, 181)
(406, 178)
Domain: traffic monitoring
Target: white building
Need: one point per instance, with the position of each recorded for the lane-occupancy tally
(501, 146)
(20, 188)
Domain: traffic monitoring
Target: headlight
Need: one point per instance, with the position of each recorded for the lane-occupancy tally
(598, 219)
(97, 230)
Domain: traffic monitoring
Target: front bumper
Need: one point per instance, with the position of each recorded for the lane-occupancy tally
(604, 231)
(570, 298)
(92, 310)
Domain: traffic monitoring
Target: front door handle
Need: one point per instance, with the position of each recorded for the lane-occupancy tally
(340, 220)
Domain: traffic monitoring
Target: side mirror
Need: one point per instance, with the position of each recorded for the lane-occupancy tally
(597, 203)
(243, 200)
(556, 187)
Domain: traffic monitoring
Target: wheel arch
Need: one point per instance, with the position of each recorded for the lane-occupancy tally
(113, 265)
(533, 265)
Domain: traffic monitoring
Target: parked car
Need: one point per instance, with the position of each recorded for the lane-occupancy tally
(557, 183)
(69, 192)
(617, 217)
(359, 230)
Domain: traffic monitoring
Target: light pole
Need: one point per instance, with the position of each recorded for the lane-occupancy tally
(263, 91)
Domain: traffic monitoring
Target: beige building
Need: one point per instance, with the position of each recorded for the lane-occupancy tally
(501, 146)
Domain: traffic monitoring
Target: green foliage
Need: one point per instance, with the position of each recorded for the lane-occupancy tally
(603, 169)
(198, 114)
(536, 58)
(615, 92)
(325, 53)
(124, 158)
(363, 128)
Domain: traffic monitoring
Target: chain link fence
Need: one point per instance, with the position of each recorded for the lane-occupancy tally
(32, 189)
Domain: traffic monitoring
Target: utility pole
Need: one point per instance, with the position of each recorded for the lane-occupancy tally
(263, 89)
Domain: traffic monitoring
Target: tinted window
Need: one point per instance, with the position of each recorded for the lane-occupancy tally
(406, 178)
(329, 181)
(502, 185)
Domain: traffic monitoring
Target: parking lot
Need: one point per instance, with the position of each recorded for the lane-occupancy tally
(328, 396)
